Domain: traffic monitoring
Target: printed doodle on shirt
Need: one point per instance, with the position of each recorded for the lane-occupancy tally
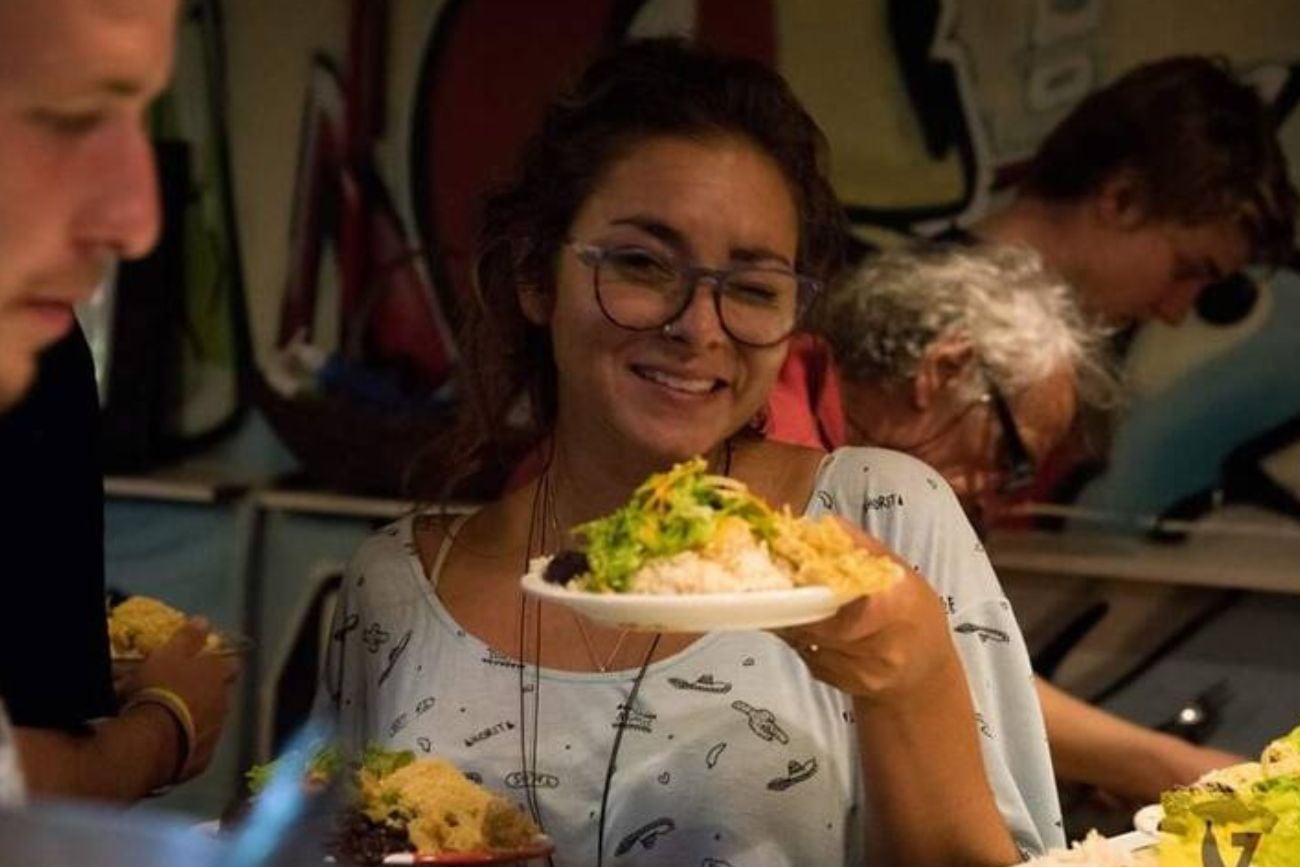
(398, 724)
(985, 633)
(796, 772)
(646, 835)
(635, 719)
(425, 705)
(394, 655)
(499, 659)
(762, 722)
(491, 731)
(715, 753)
(703, 683)
(881, 502)
(531, 780)
(350, 624)
(374, 637)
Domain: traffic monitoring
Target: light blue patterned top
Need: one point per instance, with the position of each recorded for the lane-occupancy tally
(732, 754)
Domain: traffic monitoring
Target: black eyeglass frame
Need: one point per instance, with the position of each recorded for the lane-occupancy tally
(1020, 467)
(807, 288)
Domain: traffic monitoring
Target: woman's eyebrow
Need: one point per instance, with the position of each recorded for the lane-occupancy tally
(750, 255)
(657, 229)
(661, 231)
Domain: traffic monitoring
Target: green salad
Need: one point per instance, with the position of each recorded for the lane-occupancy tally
(671, 512)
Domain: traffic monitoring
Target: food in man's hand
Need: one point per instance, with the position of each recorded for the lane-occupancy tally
(140, 625)
(687, 531)
(403, 804)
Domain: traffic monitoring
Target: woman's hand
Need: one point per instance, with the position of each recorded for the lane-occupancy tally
(203, 680)
(880, 646)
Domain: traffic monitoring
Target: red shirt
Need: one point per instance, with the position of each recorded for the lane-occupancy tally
(804, 406)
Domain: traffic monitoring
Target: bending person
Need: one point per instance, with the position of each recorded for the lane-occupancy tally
(975, 360)
(77, 191)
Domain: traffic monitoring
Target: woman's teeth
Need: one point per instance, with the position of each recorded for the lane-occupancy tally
(677, 383)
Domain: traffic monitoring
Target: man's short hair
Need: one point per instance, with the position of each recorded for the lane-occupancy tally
(1200, 145)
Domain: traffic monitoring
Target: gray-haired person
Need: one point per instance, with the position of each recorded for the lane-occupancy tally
(975, 359)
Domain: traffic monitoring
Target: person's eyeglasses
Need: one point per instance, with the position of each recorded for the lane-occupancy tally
(642, 291)
(1020, 469)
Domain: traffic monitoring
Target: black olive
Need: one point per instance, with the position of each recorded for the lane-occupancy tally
(566, 565)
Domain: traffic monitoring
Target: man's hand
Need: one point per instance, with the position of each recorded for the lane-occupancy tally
(202, 680)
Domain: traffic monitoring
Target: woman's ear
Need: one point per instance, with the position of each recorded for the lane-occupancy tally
(536, 303)
(946, 364)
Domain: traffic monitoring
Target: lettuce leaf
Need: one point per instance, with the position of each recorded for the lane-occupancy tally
(671, 512)
(381, 762)
(327, 762)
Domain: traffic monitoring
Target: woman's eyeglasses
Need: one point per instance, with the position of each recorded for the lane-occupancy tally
(642, 291)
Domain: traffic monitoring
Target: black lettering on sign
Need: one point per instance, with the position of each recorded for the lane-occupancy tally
(1246, 841)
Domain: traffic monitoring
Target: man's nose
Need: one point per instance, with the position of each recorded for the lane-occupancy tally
(121, 211)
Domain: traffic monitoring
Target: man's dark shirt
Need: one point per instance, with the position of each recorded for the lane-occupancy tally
(54, 663)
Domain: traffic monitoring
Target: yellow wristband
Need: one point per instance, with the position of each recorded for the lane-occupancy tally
(180, 713)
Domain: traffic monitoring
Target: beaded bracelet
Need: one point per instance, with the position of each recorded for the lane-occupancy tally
(180, 714)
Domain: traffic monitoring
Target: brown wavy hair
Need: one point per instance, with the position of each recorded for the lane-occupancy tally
(639, 90)
(1201, 146)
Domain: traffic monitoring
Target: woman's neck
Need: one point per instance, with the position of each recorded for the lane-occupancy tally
(591, 479)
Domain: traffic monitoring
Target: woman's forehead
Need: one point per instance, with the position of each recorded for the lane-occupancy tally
(698, 188)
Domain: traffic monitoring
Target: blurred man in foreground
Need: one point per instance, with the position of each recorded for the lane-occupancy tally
(975, 360)
(78, 191)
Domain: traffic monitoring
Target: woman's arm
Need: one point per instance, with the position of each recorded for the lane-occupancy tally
(916, 726)
(931, 795)
(1122, 758)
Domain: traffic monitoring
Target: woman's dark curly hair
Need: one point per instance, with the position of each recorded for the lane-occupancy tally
(641, 89)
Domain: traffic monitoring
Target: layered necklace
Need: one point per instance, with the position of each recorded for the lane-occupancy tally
(551, 509)
(544, 522)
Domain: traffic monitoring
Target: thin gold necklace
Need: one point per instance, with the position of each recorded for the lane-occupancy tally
(552, 513)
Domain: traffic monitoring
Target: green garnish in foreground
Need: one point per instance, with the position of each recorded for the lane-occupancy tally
(329, 761)
(671, 512)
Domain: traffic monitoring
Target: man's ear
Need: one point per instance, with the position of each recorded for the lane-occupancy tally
(1120, 201)
(947, 362)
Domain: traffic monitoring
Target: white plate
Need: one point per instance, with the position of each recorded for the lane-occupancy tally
(1147, 819)
(696, 612)
(1133, 841)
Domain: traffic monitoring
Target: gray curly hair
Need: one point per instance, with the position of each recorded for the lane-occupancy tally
(1022, 321)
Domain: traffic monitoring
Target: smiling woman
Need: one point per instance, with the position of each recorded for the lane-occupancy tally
(637, 285)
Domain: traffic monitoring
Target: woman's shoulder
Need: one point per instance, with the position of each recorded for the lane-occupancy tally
(884, 463)
(779, 472)
(873, 478)
(384, 557)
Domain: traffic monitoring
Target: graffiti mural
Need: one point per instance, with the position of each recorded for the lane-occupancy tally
(931, 106)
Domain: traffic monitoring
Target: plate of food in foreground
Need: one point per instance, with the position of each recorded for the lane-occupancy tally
(408, 810)
(1259, 800)
(139, 625)
(695, 552)
(1129, 850)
